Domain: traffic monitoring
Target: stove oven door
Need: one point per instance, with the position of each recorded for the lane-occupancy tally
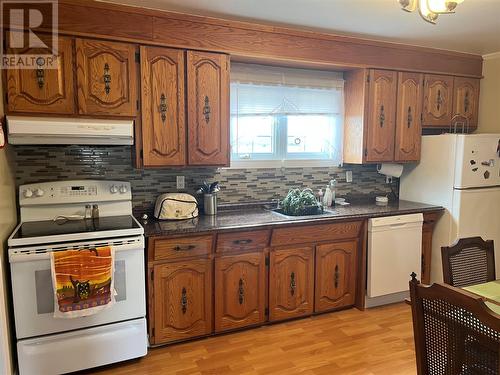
(34, 297)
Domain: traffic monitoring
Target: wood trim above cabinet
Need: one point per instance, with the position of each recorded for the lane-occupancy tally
(254, 41)
(163, 107)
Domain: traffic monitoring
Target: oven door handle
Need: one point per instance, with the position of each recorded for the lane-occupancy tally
(20, 256)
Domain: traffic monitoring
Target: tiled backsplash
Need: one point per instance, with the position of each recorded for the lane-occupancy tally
(48, 163)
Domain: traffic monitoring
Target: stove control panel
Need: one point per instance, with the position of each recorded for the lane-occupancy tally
(81, 191)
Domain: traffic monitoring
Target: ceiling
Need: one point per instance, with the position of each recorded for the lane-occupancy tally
(475, 28)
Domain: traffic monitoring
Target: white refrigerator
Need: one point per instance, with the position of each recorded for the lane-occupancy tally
(462, 174)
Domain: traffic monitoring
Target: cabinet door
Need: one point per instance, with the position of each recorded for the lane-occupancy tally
(438, 92)
(182, 300)
(106, 76)
(208, 108)
(408, 117)
(291, 283)
(335, 275)
(43, 90)
(466, 100)
(240, 291)
(163, 121)
(381, 116)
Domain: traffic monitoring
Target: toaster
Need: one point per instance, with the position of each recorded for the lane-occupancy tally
(176, 206)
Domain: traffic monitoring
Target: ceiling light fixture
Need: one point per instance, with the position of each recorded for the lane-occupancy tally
(430, 9)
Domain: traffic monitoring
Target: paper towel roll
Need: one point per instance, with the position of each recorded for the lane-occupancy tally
(392, 170)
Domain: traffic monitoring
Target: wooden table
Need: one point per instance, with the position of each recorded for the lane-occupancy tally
(490, 291)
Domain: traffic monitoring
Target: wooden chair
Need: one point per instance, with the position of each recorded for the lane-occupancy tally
(454, 331)
(469, 261)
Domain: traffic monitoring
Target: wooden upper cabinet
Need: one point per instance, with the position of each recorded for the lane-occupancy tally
(335, 275)
(106, 76)
(438, 94)
(291, 283)
(381, 116)
(208, 108)
(409, 117)
(466, 100)
(240, 291)
(163, 107)
(182, 300)
(43, 90)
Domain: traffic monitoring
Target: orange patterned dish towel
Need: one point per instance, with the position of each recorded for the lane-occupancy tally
(83, 281)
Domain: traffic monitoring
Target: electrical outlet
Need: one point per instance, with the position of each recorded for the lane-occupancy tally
(348, 176)
(388, 179)
(181, 182)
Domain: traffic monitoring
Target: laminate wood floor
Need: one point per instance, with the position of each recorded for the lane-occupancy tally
(377, 341)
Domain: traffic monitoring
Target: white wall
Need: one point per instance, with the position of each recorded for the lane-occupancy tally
(489, 100)
(8, 220)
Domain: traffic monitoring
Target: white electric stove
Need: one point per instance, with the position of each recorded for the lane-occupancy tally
(54, 217)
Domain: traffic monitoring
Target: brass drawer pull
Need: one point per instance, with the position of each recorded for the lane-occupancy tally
(163, 107)
(184, 248)
(206, 109)
(293, 284)
(439, 100)
(242, 242)
(107, 79)
(241, 292)
(382, 116)
(336, 276)
(410, 117)
(40, 77)
(466, 102)
(184, 300)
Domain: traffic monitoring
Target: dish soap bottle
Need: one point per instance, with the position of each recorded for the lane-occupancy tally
(327, 198)
(333, 187)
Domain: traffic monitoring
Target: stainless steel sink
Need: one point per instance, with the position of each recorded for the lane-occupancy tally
(280, 211)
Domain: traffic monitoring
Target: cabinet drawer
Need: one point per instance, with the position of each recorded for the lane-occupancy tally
(176, 248)
(241, 241)
(315, 233)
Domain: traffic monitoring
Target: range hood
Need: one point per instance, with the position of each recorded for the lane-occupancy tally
(24, 130)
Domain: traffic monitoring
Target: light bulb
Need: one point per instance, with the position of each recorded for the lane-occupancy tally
(438, 6)
(408, 5)
(426, 12)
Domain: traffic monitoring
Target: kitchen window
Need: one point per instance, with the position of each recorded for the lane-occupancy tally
(285, 117)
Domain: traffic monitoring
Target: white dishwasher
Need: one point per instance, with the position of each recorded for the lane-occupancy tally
(394, 252)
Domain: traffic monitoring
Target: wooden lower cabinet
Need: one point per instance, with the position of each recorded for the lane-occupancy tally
(430, 219)
(240, 291)
(182, 300)
(335, 275)
(291, 283)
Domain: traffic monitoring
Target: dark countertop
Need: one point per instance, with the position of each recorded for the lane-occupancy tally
(260, 217)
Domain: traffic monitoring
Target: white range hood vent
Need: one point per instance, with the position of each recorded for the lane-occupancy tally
(24, 130)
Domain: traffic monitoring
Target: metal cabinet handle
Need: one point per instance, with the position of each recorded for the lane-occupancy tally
(293, 284)
(466, 102)
(107, 78)
(184, 248)
(336, 276)
(439, 100)
(241, 292)
(184, 300)
(206, 109)
(163, 107)
(410, 117)
(382, 116)
(242, 242)
(40, 77)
